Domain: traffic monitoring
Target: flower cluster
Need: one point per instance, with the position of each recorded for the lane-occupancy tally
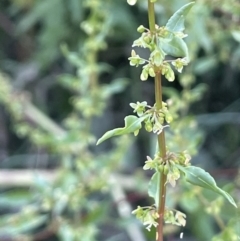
(160, 43)
(167, 165)
(178, 218)
(148, 216)
(155, 118)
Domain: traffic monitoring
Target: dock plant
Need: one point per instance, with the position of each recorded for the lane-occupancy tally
(168, 53)
(74, 203)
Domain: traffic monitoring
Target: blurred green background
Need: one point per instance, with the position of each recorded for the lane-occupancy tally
(65, 71)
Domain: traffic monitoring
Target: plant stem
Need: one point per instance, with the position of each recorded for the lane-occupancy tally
(151, 16)
(161, 136)
(162, 148)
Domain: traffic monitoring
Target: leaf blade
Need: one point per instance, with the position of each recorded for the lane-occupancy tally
(176, 22)
(199, 177)
(132, 124)
(174, 46)
(153, 190)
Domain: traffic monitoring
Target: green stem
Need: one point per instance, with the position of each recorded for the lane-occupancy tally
(151, 16)
(161, 136)
(162, 148)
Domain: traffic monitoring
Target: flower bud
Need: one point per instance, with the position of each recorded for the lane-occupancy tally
(141, 29)
(144, 75)
(160, 168)
(151, 72)
(148, 126)
(147, 39)
(165, 169)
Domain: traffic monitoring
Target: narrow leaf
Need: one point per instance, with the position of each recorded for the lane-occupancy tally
(153, 187)
(199, 177)
(24, 226)
(132, 124)
(176, 22)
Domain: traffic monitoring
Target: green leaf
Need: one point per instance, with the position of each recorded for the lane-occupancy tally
(24, 225)
(153, 187)
(199, 177)
(116, 86)
(174, 46)
(176, 22)
(15, 197)
(132, 124)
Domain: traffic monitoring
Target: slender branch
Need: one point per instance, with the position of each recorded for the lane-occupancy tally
(161, 136)
(26, 177)
(124, 209)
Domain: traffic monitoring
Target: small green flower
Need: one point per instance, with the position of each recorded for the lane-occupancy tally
(151, 72)
(180, 218)
(157, 57)
(167, 71)
(139, 212)
(147, 215)
(143, 42)
(169, 217)
(173, 176)
(184, 158)
(141, 29)
(148, 125)
(150, 222)
(179, 63)
(170, 76)
(147, 38)
(157, 128)
(139, 107)
(168, 117)
(144, 75)
(149, 164)
(135, 60)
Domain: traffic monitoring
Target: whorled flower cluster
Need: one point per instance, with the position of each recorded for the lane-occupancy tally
(154, 118)
(160, 44)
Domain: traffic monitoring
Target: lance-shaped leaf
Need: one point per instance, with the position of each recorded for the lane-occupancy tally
(153, 187)
(132, 124)
(176, 22)
(199, 177)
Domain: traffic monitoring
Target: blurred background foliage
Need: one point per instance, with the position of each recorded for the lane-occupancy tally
(66, 80)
